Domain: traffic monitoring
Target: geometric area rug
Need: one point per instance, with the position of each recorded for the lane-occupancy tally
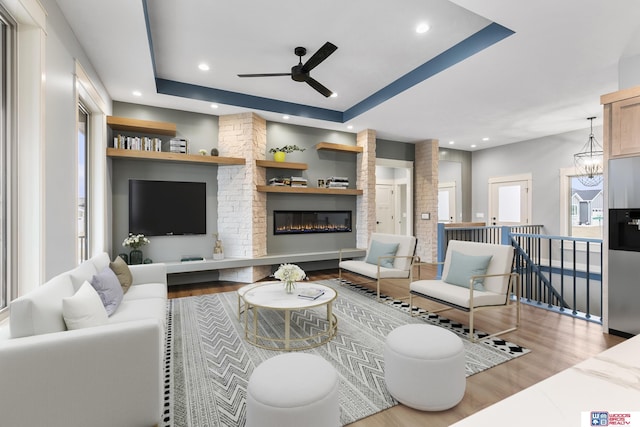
(208, 362)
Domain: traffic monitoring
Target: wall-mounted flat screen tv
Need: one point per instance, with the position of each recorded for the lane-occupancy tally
(166, 208)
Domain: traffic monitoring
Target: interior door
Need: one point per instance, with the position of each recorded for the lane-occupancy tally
(509, 201)
(384, 209)
(446, 202)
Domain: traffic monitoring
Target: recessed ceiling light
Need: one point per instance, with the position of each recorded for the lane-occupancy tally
(451, 142)
(422, 28)
(485, 138)
(473, 145)
(214, 105)
(285, 117)
(203, 67)
(350, 127)
(334, 95)
(137, 93)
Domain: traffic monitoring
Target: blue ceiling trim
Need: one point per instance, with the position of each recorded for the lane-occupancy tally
(145, 9)
(186, 90)
(484, 38)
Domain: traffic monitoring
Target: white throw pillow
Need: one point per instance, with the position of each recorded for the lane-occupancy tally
(84, 309)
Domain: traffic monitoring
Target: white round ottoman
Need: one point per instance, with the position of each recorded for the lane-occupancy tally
(293, 389)
(424, 367)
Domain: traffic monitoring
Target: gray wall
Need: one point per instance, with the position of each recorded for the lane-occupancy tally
(543, 158)
(395, 150)
(202, 132)
(60, 158)
(321, 164)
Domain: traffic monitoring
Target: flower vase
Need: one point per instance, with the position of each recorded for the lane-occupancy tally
(135, 257)
(289, 287)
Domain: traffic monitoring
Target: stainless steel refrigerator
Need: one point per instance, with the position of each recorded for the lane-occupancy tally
(624, 246)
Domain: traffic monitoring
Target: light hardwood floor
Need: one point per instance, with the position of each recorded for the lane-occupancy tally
(556, 342)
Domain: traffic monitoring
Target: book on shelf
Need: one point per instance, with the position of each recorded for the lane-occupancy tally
(310, 293)
(280, 180)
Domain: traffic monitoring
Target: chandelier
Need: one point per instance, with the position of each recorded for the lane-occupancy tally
(589, 161)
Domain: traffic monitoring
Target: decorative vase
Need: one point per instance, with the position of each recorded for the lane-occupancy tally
(279, 156)
(289, 287)
(135, 257)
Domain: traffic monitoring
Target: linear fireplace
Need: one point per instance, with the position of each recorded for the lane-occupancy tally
(303, 222)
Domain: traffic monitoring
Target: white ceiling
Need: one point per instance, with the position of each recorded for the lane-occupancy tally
(544, 79)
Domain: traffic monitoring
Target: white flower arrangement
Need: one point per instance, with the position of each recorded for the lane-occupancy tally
(289, 273)
(135, 241)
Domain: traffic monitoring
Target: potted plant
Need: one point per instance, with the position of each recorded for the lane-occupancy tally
(279, 153)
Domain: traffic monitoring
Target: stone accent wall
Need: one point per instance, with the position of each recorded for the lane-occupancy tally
(241, 209)
(366, 180)
(426, 199)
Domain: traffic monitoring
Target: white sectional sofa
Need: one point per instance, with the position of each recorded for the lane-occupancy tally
(107, 375)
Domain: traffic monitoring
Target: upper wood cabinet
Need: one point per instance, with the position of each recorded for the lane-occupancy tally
(622, 122)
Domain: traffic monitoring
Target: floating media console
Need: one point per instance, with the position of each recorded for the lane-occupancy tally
(303, 222)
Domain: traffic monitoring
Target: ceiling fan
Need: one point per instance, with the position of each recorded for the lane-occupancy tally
(300, 72)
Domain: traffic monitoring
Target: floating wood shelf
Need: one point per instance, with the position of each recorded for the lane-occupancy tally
(173, 157)
(141, 126)
(338, 147)
(307, 190)
(281, 165)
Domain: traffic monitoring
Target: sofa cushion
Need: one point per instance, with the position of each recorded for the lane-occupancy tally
(84, 309)
(100, 261)
(146, 290)
(109, 289)
(378, 249)
(139, 309)
(40, 311)
(123, 273)
(371, 270)
(83, 272)
(464, 266)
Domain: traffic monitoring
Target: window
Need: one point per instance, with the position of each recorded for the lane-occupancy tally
(82, 190)
(7, 29)
(581, 207)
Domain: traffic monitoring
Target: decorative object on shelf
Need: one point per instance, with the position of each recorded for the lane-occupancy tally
(135, 241)
(589, 161)
(214, 152)
(289, 274)
(125, 257)
(202, 152)
(321, 183)
(147, 261)
(280, 153)
(218, 251)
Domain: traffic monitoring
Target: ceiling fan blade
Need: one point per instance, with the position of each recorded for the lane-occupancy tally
(264, 75)
(319, 87)
(323, 53)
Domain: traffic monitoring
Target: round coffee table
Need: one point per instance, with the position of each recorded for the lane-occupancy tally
(271, 296)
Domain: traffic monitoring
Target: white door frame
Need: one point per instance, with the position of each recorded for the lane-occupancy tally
(512, 178)
(407, 166)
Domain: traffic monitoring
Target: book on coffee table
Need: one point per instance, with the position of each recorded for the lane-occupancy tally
(311, 293)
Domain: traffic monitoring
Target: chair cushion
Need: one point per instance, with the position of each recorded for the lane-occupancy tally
(371, 270)
(464, 266)
(456, 295)
(108, 287)
(84, 309)
(378, 249)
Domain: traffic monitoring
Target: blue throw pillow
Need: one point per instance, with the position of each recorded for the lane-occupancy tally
(379, 249)
(462, 267)
(108, 286)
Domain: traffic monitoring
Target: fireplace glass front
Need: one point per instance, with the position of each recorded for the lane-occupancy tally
(303, 222)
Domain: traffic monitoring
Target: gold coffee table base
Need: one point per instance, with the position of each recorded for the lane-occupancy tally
(259, 299)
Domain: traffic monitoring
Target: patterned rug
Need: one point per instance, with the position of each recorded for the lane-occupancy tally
(208, 362)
